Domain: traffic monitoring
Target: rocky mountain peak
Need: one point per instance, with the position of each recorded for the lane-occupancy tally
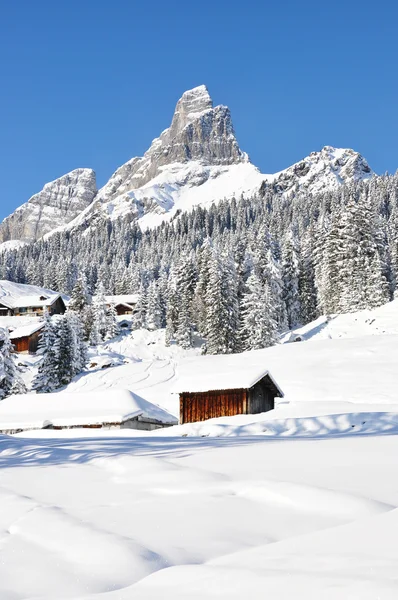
(191, 104)
(198, 132)
(325, 169)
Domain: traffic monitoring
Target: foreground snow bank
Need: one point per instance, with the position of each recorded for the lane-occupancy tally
(151, 518)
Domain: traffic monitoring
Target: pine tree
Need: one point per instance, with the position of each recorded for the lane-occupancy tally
(172, 309)
(99, 316)
(258, 327)
(10, 380)
(140, 314)
(47, 379)
(112, 326)
(66, 350)
(222, 307)
(79, 348)
(291, 273)
(80, 297)
(154, 308)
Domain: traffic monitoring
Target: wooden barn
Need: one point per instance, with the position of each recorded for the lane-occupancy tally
(234, 391)
(26, 339)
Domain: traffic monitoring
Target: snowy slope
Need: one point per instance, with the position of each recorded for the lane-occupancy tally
(300, 502)
(379, 321)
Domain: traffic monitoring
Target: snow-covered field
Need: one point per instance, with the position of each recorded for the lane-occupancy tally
(300, 502)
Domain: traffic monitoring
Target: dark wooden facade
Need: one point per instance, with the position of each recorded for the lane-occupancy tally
(123, 309)
(200, 406)
(58, 307)
(27, 344)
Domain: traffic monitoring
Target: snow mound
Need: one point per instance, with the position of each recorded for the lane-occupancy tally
(378, 321)
(36, 411)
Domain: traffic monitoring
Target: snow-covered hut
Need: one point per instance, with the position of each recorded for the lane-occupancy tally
(222, 387)
(123, 303)
(25, 339)
(110, 409)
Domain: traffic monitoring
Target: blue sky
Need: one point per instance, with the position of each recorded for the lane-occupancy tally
(90, 84)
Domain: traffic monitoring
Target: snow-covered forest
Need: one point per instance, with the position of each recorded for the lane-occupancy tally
(239, 272)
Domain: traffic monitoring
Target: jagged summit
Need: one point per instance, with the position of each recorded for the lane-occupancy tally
(198, 132)
(191, 104)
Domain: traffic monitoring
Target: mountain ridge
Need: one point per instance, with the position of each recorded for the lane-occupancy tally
(195, 161)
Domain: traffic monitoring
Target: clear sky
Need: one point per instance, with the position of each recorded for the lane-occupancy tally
(90, 83)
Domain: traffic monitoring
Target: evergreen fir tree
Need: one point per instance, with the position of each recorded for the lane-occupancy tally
(222, 307)
(258, 327)
(291, 273)
(46, 379)
(10, 380)
(112, 326)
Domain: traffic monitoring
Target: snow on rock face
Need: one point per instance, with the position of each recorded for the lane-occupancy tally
(320, 171)
(198, 147)
(197, 132)
(58, 203)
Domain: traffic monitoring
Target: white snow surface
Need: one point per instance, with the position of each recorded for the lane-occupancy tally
(300, 502)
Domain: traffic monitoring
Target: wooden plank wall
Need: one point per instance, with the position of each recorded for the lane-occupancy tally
(209, 405)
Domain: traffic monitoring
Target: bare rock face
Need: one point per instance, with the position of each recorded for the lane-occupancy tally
(58, 203)
(197, 132)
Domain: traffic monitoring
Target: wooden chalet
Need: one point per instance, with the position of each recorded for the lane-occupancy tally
(124, 303)
(235, 391)
(26, 339)
(32, 306)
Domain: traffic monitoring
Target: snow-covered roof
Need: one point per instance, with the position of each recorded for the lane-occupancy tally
(26, 330)
(15, 295)
(230, 372)
(42, 300)
(128, 299)
(11, 323)
(66, 409)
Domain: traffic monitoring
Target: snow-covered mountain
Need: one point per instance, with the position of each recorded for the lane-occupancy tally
(324, 170)
(59, 202)
(196, 161)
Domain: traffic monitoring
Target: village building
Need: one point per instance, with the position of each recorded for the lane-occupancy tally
(123, 303)
(32, 305)
(26, 339)
(110, 409)
(221, 387)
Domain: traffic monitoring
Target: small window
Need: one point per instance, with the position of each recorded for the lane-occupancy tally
(23, 310)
